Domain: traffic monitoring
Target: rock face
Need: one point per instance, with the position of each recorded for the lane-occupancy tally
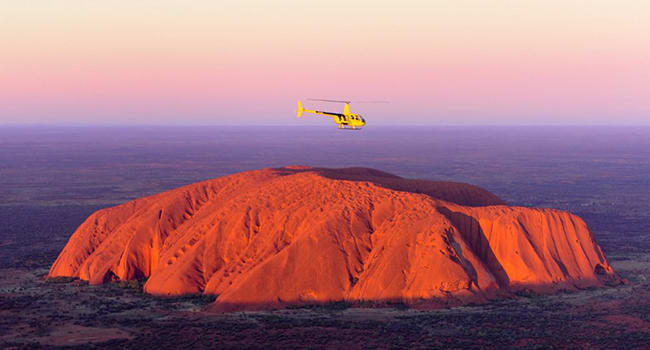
(299, 235)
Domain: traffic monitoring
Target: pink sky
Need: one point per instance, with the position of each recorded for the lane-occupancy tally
(220, 62)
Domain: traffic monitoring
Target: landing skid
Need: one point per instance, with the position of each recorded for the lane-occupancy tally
(349, 128)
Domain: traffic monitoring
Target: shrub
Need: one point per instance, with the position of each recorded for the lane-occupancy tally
(60, 279)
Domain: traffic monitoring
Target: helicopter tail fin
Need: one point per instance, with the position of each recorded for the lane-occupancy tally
(300, 109)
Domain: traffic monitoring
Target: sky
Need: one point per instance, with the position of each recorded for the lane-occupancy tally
(200, 62)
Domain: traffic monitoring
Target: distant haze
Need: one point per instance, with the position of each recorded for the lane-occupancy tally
(245, 62)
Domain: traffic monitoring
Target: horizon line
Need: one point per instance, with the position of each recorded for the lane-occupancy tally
(382, 125)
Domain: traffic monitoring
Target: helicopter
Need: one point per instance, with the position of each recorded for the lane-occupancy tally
(345, 120)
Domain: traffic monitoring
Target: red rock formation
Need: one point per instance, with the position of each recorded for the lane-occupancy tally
(301, 235)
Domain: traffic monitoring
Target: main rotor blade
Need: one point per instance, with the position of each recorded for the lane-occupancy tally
(320, 99)
(340, 101)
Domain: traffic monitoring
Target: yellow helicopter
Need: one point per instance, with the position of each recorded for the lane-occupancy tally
(345, 120)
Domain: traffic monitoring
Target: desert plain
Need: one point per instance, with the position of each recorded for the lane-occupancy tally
(52, 179)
